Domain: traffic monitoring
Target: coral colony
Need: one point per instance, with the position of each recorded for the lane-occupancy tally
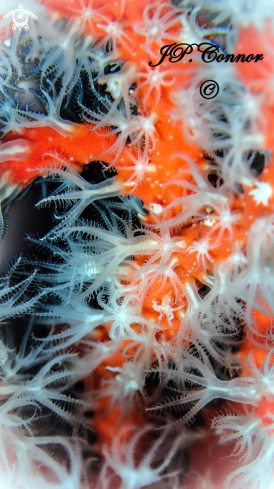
(137, 336)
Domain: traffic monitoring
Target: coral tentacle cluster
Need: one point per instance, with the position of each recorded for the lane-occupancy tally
(146, 322)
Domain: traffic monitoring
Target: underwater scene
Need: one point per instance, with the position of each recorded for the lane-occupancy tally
(137, 244)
